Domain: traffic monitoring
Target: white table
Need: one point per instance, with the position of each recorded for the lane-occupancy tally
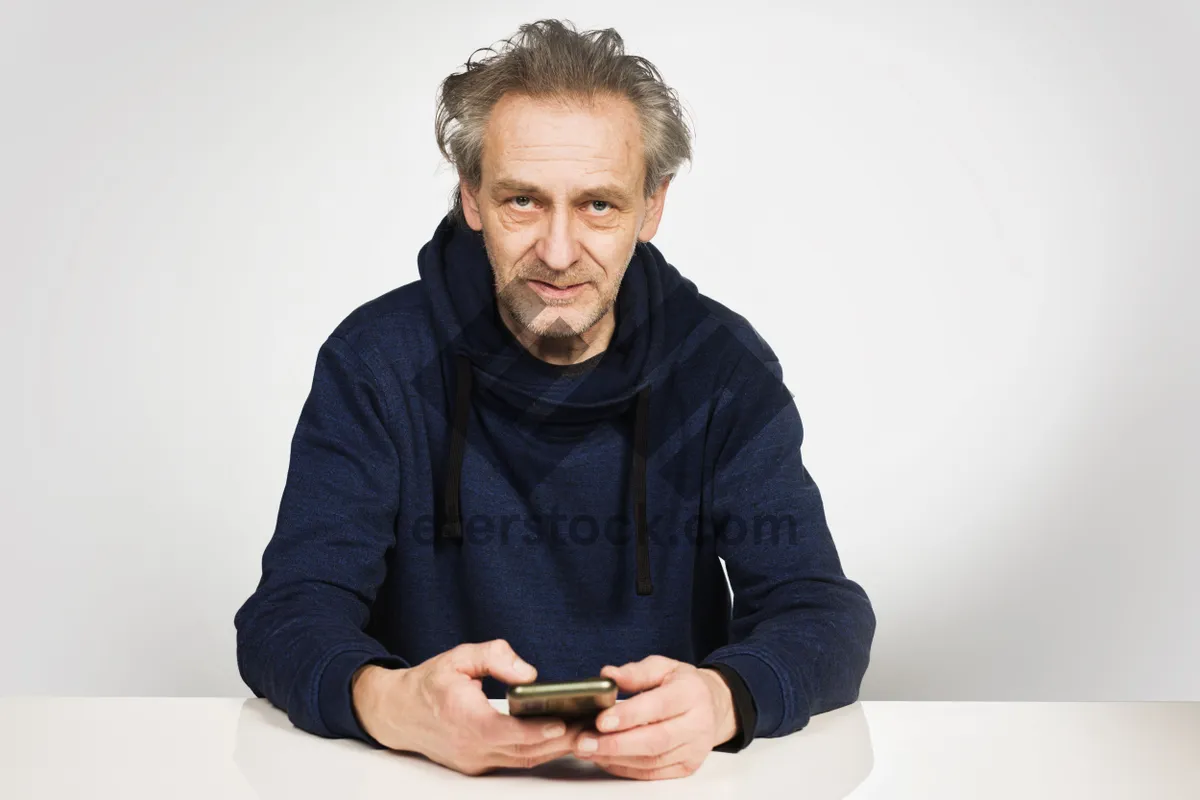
(237, 748)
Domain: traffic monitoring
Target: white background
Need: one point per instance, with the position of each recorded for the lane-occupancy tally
(970, 231)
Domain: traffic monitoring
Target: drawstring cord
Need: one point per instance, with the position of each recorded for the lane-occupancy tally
(638, 490)
(452, 522)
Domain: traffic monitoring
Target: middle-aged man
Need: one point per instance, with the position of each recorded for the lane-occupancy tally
(540, 452)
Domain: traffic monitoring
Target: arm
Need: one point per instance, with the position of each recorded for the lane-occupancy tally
(801, 631)
(300, 637)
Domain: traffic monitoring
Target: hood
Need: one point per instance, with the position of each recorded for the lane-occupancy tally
(655, 309)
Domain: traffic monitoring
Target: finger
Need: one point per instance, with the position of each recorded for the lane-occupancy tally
(638, 676)
(644, 740)
(661, 703)
(501, 730)
(672, 756)
(554, 747)
(681, 770)
(467, 707)
(463, 702)
(531, 755)
(495, 658)
(523, 761)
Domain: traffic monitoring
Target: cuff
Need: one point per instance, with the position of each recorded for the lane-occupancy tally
(744, 709)
(335, 703)
(763, 686)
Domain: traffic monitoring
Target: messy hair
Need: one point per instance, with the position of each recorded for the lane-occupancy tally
(550, 60)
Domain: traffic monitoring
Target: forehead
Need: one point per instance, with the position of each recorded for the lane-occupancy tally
(533, 140)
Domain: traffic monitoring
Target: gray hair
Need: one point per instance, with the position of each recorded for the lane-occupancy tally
(550, 60)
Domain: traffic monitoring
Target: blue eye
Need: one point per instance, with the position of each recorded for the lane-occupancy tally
(524, 197)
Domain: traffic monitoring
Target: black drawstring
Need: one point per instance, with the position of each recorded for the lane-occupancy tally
(452, 523)
(638, 480)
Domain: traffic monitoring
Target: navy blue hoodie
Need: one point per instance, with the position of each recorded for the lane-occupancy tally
(446, 486)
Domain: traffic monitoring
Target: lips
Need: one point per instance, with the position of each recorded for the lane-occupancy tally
(550, 291)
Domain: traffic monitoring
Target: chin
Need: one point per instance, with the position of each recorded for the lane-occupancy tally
(554, 324)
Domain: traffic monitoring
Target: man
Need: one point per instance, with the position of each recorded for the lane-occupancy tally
(539, 453)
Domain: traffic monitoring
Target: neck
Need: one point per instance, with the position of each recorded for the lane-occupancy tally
(564, 350)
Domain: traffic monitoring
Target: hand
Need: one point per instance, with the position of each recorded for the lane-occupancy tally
(438, 709)
(667, 730)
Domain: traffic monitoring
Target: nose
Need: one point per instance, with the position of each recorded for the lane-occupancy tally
(558, 247)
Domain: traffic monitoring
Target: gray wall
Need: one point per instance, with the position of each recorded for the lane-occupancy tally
(969, 232)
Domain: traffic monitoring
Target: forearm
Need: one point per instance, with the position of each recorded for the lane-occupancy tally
(801, 631)
(298, 651)
(300, 635)
(805, 656)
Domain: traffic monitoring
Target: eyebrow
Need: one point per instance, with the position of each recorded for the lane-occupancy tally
(604, 190)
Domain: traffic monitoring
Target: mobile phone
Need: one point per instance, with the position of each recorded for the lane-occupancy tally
(568, 700)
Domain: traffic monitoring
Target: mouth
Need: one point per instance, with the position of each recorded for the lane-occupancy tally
(552, 292)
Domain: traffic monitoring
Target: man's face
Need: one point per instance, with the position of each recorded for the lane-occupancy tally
(561, 209)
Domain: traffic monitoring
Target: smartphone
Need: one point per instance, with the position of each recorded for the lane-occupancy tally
(567, 700)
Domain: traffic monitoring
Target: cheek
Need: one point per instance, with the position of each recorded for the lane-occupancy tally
(610, 283)
(509, 271)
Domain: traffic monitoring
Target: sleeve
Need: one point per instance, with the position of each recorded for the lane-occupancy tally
(300, 635)
(801, 631)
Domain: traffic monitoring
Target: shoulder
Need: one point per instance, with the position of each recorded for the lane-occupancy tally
(391, 330)
(697, 324)
(746, 337)
(400, 306)
(733, 347)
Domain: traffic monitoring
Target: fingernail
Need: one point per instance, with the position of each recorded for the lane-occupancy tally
(606, 723)
(587, 744)
(523, 668)
(554, 729)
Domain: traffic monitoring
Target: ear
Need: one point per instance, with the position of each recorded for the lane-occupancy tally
(654, 209)
(470, 204)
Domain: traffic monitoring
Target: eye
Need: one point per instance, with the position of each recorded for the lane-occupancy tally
(605, 202)
(520, 197)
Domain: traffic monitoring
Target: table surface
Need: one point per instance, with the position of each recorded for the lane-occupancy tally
(52, 747)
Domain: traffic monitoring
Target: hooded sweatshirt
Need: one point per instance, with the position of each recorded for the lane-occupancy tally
(447, 486)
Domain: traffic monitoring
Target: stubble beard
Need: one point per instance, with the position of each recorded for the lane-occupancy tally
(528, 308)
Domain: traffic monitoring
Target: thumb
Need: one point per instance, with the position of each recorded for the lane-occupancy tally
(638, 676)
(495, 658)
